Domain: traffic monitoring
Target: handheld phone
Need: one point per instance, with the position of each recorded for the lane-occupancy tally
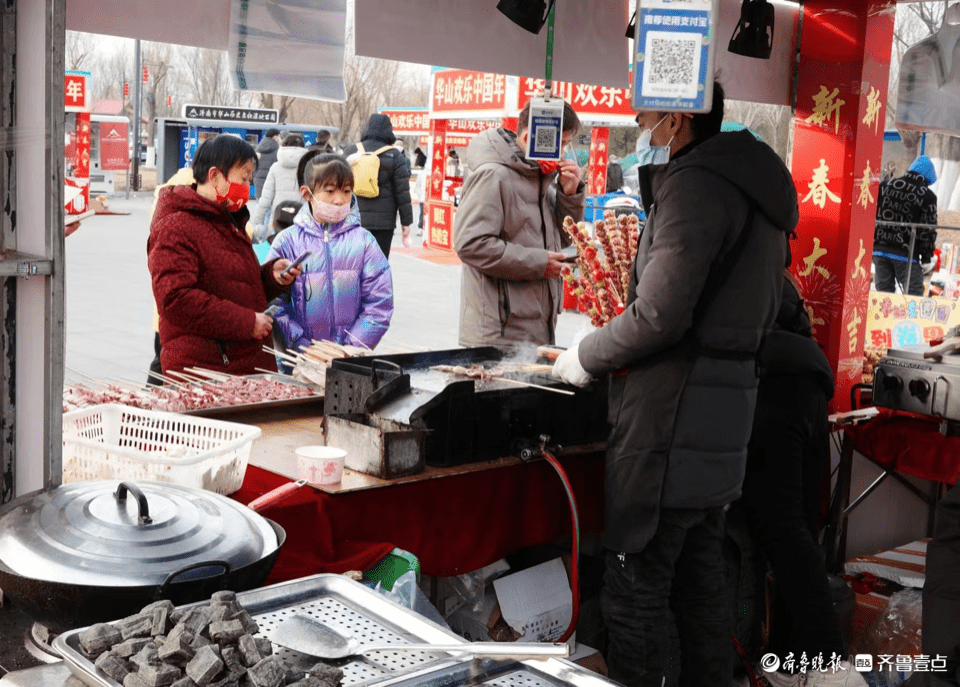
(296, 263)
(272, 311)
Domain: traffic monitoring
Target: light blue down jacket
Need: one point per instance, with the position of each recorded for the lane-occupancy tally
(345, 292)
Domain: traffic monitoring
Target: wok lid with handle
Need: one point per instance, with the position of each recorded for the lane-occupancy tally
(128, 534)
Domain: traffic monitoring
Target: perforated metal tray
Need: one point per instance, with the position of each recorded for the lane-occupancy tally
(356, 610)
(341, 603)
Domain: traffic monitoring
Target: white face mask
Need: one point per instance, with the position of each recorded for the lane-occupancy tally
(648, 154)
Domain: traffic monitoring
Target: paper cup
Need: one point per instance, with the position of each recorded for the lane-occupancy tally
(320, 464)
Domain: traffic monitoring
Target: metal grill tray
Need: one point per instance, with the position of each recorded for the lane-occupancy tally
(363, 613)
(226, 411)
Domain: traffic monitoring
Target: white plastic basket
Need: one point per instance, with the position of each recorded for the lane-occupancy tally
(113, 441)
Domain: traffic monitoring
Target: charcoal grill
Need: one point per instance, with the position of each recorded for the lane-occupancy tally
(469, 420)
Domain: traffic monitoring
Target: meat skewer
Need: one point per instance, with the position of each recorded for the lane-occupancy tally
(482, 373)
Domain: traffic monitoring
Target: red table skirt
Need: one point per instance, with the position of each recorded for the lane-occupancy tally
(453, 524)
(909, 444)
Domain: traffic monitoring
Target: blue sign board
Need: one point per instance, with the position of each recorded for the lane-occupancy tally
(674, 55)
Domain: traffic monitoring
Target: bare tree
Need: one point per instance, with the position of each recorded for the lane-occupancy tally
(206, 76)
(80, 49)
(281, 103)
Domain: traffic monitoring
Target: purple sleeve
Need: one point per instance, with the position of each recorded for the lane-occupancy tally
(376, 297)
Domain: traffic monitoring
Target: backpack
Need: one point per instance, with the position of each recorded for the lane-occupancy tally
(366, 170)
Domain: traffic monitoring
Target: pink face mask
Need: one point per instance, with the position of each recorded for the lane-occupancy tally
(328, 213)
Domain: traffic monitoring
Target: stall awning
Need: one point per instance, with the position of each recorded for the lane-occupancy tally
(590, 47)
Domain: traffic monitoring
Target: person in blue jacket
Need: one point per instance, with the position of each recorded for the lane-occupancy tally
(345, 292)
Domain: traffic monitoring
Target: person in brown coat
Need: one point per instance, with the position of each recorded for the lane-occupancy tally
(209, 288)
(508, 233)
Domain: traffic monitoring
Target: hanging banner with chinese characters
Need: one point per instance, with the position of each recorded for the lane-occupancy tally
(600, 104)
(462, 94)
(674, 54)
(76, 91)
(408, 121)
(897, 320)
(597, 167)
(838, 144)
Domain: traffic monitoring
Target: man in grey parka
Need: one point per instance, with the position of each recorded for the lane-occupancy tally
(705, 289)
(508, 233)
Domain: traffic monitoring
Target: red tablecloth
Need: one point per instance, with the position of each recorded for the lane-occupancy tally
(910, 444)
(453, 524)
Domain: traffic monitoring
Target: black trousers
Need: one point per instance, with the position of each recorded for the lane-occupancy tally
(384, 238)
(682, 569)
(889, 270)
(787, 452)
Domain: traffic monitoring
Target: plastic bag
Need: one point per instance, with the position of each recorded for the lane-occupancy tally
(896, 632)
(406, 593)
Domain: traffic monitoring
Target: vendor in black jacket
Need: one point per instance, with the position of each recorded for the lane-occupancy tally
(907, 199)
(379, 215)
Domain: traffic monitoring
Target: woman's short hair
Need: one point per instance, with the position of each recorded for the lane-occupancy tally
(224, 152)
(293, 139)
(317, 168)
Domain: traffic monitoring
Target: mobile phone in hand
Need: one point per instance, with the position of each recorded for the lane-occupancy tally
(272, 311)
(296, 263)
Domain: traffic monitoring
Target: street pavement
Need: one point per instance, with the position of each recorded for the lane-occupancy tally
(109, 302)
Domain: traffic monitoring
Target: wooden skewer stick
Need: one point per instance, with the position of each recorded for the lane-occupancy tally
(281, 354)
(535, 386)
(363, 345)
(278, 374)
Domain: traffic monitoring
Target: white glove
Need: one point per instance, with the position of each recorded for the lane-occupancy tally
(569, 369)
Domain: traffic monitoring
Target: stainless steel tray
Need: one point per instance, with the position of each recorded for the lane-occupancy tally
(355, 609)
(225, 411)
(341, 603)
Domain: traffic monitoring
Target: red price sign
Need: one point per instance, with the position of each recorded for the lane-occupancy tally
(440, 217)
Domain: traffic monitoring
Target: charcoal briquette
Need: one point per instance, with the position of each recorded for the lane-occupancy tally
(113, 666)
(328, 675)
(250, 626)
(161, 620)
(184, 682)
(226, 631)
(249, 652)
(148, 655)
(133, 680)
(136, 626)
(223, 597)
(204, 666)
(270, 672)
(129, 647)
(159, 675)
(98, 638)
(177, 650)
(264, 646)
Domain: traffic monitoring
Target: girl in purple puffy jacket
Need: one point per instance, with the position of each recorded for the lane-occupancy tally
(345, 292)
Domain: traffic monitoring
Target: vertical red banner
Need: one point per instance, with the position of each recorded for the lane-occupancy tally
(599, 152)
(837, 149)
(443, 237)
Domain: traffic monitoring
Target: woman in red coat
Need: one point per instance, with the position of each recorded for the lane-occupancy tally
(210, 290)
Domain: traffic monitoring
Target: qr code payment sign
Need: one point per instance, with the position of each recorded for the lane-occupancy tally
(671, 65)
(546, 140)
